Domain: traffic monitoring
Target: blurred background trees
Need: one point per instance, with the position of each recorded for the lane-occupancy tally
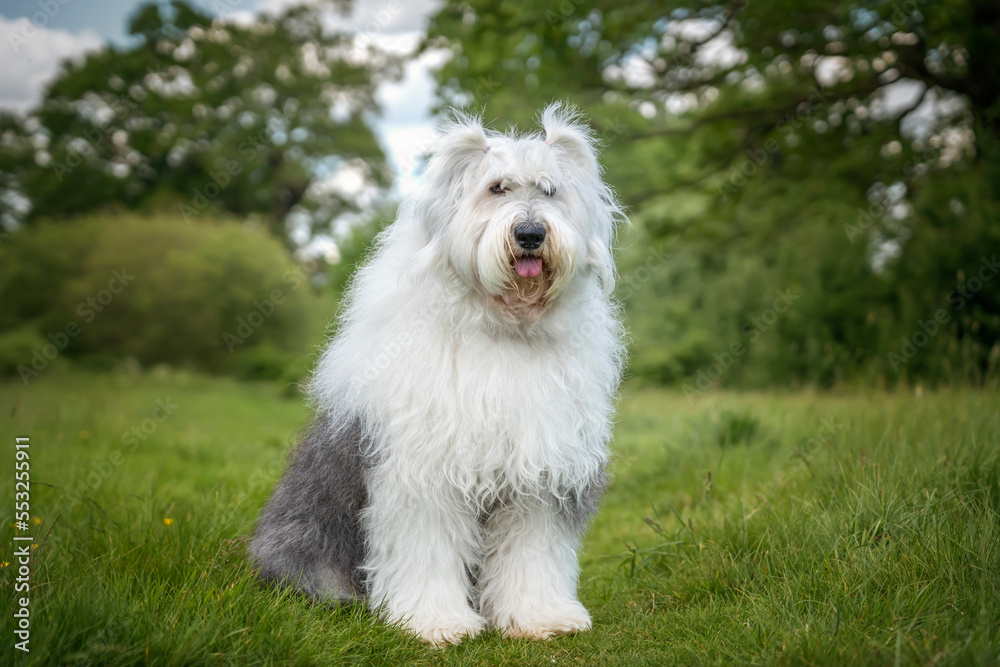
(216, 296)
(845, 151)
(813, 184)
(248, 119)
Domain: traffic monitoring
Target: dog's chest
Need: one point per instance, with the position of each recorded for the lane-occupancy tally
(519, 403)
(491, 413)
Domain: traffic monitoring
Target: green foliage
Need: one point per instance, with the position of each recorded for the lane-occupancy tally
(262, 362)
(844, 321)
(872, 543)
(36, 266)
(159, 291)
(204, 116)
(17, 347)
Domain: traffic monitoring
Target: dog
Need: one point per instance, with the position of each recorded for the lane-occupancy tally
(464, 404)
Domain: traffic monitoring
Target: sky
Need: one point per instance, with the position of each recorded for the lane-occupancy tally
(33, 43)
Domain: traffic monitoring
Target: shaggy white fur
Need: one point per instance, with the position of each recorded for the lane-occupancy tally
(477, 373)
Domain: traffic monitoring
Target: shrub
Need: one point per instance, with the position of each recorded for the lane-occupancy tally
(36, 264)
(159, 290)
(262, 362)
(17, 348)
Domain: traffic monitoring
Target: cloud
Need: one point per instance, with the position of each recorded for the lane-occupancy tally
(32, 56)
(386, 17)
(412, 96)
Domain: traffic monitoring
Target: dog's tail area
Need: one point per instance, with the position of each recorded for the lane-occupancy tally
(309, 534)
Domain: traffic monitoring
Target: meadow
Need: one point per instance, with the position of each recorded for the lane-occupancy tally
(804, 528)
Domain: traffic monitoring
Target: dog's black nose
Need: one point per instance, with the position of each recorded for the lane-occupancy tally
(529, 235)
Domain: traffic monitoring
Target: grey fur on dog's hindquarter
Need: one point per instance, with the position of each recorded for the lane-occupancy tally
(309, 535)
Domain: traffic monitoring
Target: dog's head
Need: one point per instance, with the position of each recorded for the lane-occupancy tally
(519, 217)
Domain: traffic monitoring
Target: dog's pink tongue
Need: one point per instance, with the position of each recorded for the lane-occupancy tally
(529, 267)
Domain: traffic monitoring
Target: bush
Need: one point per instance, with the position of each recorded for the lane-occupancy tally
(35, 266)
(17, 348)
(159, 290)
(262, 363)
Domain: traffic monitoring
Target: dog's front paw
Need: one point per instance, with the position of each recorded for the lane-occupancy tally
(441, 632)
(566, 620)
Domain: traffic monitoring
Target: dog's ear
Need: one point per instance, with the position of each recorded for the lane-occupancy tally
(565, 131)
(462, 141)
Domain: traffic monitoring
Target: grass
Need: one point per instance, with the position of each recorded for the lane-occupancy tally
(858, 529)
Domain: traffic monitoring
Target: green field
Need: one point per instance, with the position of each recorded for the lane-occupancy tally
(805, 528)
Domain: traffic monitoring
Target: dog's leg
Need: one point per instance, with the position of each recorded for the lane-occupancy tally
(421, 541)
(309, 534)
(530, 571)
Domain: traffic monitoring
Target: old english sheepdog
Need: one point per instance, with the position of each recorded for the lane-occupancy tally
(464, 405)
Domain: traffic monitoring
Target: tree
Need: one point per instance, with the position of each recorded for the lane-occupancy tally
(845, 150)
(200, 115)
(751, 71)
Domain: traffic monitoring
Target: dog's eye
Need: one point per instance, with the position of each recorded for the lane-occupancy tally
(497, 189)
(550, 191)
